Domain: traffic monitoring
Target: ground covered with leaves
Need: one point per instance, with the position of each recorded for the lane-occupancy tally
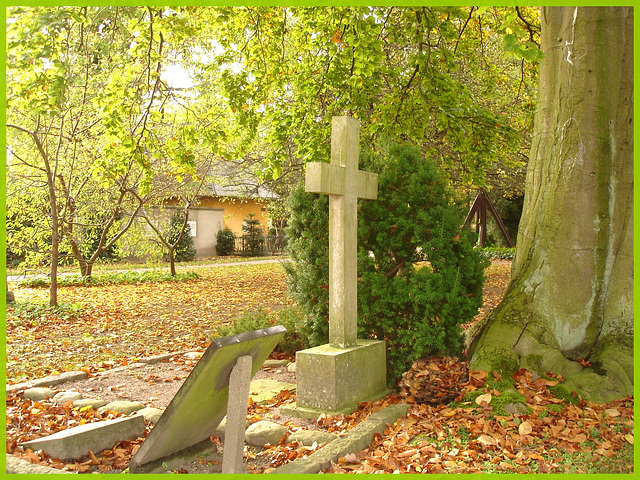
(476, 433)
(459, 421)
(111, 325)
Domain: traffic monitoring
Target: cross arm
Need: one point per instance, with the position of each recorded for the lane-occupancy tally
(329, 179)
(324, 178)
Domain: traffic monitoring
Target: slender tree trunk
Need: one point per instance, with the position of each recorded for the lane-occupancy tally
(53, 285)
(50, 171)
(55, 222)
(571, 293)
(172, 261)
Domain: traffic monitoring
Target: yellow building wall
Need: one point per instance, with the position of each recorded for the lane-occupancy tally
(235, 211)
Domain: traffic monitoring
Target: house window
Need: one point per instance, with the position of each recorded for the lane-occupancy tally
(193, 225)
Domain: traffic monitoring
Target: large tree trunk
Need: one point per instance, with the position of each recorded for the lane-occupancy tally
(571, 293)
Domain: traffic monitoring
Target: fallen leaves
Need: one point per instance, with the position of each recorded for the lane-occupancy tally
(28, 420)
(435, 381)
(122, 322)
(497, 277)
(125, 323)
(469, 438)
(525, 428)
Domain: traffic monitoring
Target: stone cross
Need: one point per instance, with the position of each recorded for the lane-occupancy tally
(344, 184)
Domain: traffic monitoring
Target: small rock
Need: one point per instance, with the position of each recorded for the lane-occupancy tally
(38, 393)
(308, 437)
(222, 427)
(193, 355)
(89, 402)
(292, 367)
(63, 397)
(18, 465)
(121, 406)
(150, 414)
(263, 432)
(47, 381)
(516, 408)
(275, 363)
(156, 358)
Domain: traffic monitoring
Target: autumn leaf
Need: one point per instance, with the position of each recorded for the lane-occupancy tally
(580, 438)
(584, 363)
(486, 440)
(485, 398)
(525, 428)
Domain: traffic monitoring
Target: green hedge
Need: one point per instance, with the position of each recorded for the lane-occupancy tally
(116, 278)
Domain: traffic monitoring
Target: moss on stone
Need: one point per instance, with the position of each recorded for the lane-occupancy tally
(499, 402)
(508, 395)
(555, 408)
(494, 357)
(560, 391)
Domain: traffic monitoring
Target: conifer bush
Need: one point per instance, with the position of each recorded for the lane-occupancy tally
(185, 251)
(252, 237)
(226, 242)
(419, 276)
(307, 275)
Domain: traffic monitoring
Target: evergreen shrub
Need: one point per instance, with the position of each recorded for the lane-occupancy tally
(185, 250)
(307, 275)
(253, 240)
(419, 276)
(226, 242)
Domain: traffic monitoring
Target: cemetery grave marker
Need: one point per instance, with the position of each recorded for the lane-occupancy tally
(203, 401)
(333, 378)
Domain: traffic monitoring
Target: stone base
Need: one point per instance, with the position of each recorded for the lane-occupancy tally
(334, 380)
(294, 410)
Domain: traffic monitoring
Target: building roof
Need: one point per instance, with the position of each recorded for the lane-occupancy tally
(241, 189)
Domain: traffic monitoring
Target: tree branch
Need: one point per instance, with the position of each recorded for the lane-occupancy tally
(392, 273)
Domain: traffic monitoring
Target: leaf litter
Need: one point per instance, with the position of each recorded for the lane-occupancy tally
(436, 436)
(121, 323)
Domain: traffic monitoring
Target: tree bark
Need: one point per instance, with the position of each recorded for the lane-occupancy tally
(571, 292)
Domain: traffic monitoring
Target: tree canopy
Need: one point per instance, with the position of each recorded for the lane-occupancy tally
(451, 80)
(97, 131)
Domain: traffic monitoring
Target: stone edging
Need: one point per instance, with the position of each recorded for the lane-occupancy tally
(356, 439)
(18, 465)
(73, 376)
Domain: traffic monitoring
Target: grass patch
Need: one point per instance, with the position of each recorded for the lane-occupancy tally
(583, 462)
(110, 266)
(114, 278)
(33, 312)
(289, 317)
(501, 253)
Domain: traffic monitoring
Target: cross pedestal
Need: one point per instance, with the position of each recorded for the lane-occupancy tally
(333, 378)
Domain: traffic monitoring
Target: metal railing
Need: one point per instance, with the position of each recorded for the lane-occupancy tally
(267, 245)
